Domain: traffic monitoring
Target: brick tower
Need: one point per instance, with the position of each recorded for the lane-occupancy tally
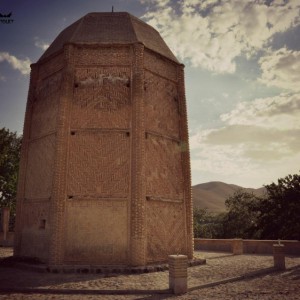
(105, 171)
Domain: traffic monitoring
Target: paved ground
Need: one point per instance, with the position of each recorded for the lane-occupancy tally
(219, 266)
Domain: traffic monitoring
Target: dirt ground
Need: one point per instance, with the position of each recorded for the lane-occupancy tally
(225, 276)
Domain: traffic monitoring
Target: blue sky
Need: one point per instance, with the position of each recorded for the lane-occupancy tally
(242, 71)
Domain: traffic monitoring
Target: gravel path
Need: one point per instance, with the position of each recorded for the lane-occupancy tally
(219, 266)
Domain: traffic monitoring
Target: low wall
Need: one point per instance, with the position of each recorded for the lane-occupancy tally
(249, 246)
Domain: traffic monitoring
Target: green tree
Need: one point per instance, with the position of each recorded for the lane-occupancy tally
(241, 220)
(10, 146)
(207, 224)
(280, 210)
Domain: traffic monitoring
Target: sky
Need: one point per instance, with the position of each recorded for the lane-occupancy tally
(242, 75)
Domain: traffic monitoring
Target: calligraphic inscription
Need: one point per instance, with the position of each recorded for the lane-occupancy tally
(101, 98)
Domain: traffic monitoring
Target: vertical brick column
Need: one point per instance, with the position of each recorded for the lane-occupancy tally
(138, 194)
(279, 256)
(24, 158)
(178, 273)
(58, 199)
(237, 246)
(185, 158)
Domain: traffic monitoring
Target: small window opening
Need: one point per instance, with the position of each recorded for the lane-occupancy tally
(42, 224)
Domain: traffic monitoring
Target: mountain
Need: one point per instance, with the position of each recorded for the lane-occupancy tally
(212, 195)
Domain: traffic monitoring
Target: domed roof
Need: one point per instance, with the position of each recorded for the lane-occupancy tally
(110, 28)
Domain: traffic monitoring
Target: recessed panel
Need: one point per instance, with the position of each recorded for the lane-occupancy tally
(163, 168)
(96, 232)
(101, 98)
(40, 167)
(99, 164)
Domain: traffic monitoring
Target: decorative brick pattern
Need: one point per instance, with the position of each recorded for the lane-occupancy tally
(51, 66)
(102, 237)
(185, 158)
(159, 65)
(163, 168)
(105, 148)
(95, 55)
(99, 164)
(137, 209)
(45, 106)
(165, 230)
(40, 168)
(101, 98)
(23, 160)
(56, 249)
(161, 104)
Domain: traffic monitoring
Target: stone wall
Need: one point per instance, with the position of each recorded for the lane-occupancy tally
(249, 246)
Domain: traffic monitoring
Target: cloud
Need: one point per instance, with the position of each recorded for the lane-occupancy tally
(256, 138)
(281, 68)
(40, 44)
(212, 34)
(280, 112)
(18, 64)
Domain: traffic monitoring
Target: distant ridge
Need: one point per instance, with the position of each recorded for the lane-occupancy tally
(212, 195)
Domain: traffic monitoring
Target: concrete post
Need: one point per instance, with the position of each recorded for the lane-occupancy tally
(279, 257)
(178, 274)
(5, 222)
(237, 246)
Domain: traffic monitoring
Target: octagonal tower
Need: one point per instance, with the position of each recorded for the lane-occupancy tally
(105, 172)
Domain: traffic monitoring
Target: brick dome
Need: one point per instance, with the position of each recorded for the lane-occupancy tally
(110, 28)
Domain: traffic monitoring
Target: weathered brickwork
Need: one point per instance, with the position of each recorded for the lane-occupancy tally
(45, 106)
(49, 67)
(23, 160)
(163, 168)
(105, 162)
(39, 175)
(101, 98)
(161, 104)
(159, 65)
(138, 193)
(99, 164)
(103, 56)
(35, 230)
(165, 230)
(102, 237)
(185, 157)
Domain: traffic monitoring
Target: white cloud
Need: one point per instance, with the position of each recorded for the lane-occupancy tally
(259, 141)
(22, 65)
(281, 68)
(212, 33)
(280, 112)
(40, 44)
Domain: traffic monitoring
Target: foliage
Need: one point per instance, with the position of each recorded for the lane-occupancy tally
(10, 146)
(207, 224)
(280, 210)
(273, 216)
(242, 216)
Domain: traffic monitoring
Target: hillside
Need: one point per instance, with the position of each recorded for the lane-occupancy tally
(212, 195)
